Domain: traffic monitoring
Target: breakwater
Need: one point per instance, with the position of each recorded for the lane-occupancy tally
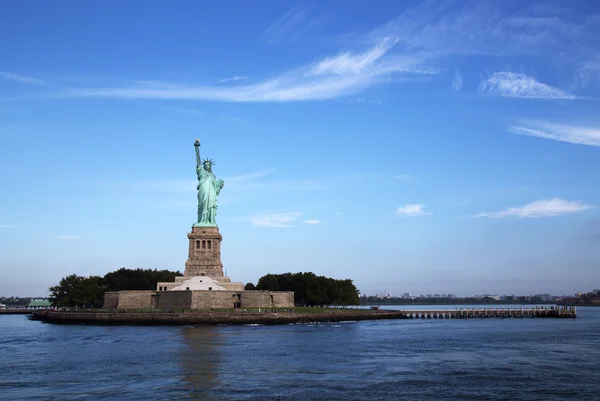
(211, 318)
(15, 312)
(241, 317)
(503, 313)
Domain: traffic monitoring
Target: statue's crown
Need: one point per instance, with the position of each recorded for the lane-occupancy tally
(208, 160)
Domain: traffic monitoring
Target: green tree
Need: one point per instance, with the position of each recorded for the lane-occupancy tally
(88, 292)
(310, 289)
(74, 290)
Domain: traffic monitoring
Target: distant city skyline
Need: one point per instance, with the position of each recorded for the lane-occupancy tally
(415, 146)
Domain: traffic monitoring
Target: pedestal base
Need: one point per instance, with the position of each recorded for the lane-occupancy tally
(204, 255)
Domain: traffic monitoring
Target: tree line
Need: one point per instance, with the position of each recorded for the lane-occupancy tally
(509, 300)
(589, 298)
(88, 292)
(310, 289)
(15, 301)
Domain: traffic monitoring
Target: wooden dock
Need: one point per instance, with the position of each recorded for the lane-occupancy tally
(501, 313)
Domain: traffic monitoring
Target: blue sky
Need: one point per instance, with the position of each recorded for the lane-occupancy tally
(423, 147)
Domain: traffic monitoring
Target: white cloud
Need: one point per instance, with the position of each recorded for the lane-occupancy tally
(405, 177)
(178, 109)
(341, 75)
(412, 210)
(280, 220)
(22, 79)
(293, 24)
(8, 226)
(511, 84)
(457, 81)
(250, 176)
(541, 208)
(487, 28)
(189, 185)
(338, 213)
(276, 219)
(352, 64)
(68, 237)
(236, 78)
(285, 26)
(560, 132)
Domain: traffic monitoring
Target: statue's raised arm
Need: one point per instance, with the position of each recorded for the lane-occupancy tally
(197, 146)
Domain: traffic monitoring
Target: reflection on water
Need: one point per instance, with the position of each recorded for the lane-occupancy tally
(199, 359)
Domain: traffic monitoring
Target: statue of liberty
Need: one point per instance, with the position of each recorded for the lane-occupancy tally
(208, 189)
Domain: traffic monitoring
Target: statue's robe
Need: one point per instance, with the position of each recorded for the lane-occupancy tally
(208, 189)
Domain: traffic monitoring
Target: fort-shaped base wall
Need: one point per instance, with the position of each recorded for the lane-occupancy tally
(198, 299)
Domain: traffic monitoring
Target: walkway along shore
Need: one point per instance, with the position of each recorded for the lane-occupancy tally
(240, 317)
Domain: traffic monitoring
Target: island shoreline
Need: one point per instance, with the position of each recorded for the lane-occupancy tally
(208, 318)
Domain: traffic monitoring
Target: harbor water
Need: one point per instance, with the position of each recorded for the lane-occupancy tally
(477, 359)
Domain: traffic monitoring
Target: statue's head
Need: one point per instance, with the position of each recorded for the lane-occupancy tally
(207, 164)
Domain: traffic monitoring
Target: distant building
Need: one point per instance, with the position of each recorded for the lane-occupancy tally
(494, 297)
(2, 307)
(39, 303)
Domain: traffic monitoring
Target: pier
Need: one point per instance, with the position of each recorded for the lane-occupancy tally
(502, 313)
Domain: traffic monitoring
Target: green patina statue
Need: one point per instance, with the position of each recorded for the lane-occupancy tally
(208, 190)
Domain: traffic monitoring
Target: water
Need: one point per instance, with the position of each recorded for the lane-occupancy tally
(491, 359)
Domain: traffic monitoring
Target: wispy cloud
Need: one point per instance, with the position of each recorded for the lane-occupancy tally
(587, 74)
(348, 63)
(184, 110)
(338, 213)
(293, 24)
(276, 219)
(69, 237)
(344, 74)
(412, 210)
(23, 79)
(280, 220)
(232, 79)
(285, 26)
(488, 28)
(560, 132)
(511, 84)
(251, 181)
(8, 226)
(405, 177)
(250, 176)
(457, 81)
(541, 208)
(500, 28)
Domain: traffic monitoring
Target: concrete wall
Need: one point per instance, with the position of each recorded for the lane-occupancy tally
(233, 286)
(169, 285)
(173, 299)
(214, 299)
(111, 299)
(283, 299)
(198, 299)
(135, 299)
(267, 299)
(256, 299)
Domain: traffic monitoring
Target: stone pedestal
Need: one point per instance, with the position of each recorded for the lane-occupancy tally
(204, 254)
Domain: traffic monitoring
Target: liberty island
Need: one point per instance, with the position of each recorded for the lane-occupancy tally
(203, 285)
(204, 295)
